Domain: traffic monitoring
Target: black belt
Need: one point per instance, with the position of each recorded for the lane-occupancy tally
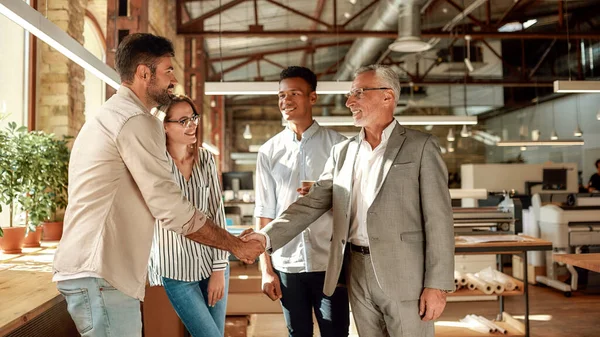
(360, 249)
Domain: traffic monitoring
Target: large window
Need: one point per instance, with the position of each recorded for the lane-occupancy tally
(95, 89)
(13, 73)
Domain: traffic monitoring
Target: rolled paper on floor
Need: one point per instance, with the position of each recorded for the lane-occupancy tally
(492, 324)
(479, 284)
(475, 325)
(513, 323)
(484, 322)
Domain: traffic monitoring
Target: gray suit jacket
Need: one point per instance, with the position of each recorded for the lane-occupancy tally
(409, 224)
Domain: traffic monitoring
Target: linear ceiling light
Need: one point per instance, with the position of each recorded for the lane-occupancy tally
(269, 88)
(35, 23)
(404, 120)
(576, 86)
(542, 143)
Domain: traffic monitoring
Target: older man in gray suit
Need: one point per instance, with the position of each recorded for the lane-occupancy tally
(393, 225)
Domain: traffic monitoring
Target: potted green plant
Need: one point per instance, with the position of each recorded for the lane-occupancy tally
(13, 181)
(46, 191)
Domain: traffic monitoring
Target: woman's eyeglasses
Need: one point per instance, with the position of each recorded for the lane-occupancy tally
(186, 122)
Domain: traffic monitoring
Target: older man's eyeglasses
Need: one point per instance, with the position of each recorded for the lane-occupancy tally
(186, 122)
(358, 93)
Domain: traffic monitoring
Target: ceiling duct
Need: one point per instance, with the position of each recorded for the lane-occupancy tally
(409, 31)
(366, 50)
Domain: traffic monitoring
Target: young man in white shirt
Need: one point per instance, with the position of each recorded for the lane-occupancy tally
(296, 273)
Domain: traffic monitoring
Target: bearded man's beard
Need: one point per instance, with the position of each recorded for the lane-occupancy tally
(158, 95)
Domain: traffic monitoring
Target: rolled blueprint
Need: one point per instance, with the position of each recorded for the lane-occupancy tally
(459, 278)
(496, 286)
(490, 324)
(475, 325)
(477, 283)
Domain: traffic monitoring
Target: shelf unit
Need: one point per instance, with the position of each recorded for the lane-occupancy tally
(511, 245)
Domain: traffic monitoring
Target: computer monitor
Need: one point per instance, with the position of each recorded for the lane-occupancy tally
(245, 181)
(554, 179)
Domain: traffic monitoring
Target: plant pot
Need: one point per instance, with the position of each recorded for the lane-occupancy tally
(52, 231)
(12, 242)
(33, 238)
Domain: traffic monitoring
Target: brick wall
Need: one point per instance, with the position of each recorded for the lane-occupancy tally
(166, 25)
(61, 101)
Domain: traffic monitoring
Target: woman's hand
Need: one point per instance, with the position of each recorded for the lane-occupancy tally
(216, 287)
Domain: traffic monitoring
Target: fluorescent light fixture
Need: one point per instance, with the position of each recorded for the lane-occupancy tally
(211, 148)
(254, 148)
(542, 143)
(404, 120)
(269, 88)
(576, 86)
(35, 23)
(529, 23)
(243, 156)
(514, 26)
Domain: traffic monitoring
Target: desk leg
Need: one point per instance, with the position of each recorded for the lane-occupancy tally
(500, 297)
(526, 291)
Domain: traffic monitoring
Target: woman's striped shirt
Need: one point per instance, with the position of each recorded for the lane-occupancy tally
(176, 257)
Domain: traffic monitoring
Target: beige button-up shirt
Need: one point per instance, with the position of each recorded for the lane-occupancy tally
(119, 182)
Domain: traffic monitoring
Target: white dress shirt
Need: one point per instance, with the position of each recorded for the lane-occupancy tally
(366, 170)
(283, 162)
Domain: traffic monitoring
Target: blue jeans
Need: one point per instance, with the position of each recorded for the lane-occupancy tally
(100, 310)
(300, 293)
(190, 301)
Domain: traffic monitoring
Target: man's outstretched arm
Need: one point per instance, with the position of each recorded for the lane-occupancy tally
(214, 236)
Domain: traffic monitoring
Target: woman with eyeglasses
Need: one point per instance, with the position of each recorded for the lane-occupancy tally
(195, 277)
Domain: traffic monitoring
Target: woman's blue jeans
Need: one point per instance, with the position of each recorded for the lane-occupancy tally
(190, 301)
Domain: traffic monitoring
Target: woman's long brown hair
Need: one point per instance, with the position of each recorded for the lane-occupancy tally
(166, 110)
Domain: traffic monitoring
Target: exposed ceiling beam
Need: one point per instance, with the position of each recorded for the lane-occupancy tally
(507, 12)
(317, 14)
(461, 10)
(359, 13)
(279, 51)
(198, 23)
(389, 34)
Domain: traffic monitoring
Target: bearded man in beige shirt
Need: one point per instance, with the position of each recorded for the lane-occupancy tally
(120, 181)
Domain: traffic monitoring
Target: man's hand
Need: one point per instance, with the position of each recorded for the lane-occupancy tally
(251, 246)
(432, 304)
(216, 287)
(271, 286)
(303, 190)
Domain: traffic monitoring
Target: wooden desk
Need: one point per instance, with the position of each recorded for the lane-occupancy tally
(586, 261)
(26, 286)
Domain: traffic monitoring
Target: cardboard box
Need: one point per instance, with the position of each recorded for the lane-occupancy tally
(244, 278)
(532, 271)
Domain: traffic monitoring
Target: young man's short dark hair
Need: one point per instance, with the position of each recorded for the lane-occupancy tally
(597, 162)
(140, 48)
(301, 72)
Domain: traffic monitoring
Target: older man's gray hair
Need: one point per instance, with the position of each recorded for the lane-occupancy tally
(386, 75)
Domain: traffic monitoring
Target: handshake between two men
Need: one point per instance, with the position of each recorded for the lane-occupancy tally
(251, 245)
